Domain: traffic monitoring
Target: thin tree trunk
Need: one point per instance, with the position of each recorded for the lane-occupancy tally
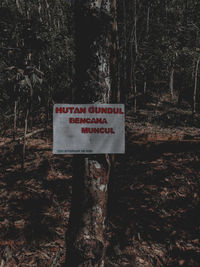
(136, 52)
(148, 18)
(19, 6)
(48, 12)
(123, 77)
(24, 139)
(135, 95)
(195, 86)
(15, 120)
(39, 9)
(85, 236)
(27, 9)
(145, 86)
(134, 57)
(135, 27)
(114, 49)
(171, 83)
(166, 14)
(28, 111)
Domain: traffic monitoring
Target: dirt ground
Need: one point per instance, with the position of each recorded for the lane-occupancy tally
(153, 215)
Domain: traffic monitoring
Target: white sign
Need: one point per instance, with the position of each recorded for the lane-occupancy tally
(88, 129)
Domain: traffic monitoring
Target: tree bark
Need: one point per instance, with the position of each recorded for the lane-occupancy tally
(85, 235)
(148, 19)
(171, 83)
(123, 58)
(15, 120)
(24, 139)
(115, 89)
(134, 56)
(145, 85)
(195, 85)
(135, 26)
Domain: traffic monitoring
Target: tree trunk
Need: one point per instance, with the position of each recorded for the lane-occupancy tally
(115, 89)
(145, 85)
(15, 120)
(171, 83)
(39, 9)
(135, 94)
(195, 86)
(123, 50)
(19, 6)
(134, 56)
(135, 26)
(148, 18)
(24, 139)
(85, 235)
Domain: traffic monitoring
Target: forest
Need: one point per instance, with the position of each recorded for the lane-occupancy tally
(143, 54)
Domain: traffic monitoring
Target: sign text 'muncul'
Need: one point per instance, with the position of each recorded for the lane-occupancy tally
(88, 129)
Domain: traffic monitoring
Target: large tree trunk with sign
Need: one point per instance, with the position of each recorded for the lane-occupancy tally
(85, 237)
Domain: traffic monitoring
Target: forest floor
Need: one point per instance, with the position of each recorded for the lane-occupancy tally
(154, 217)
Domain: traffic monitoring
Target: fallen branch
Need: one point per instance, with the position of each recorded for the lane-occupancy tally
(31, 134)
(26, 136)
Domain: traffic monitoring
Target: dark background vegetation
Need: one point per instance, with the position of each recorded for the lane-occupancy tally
(154, 214)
